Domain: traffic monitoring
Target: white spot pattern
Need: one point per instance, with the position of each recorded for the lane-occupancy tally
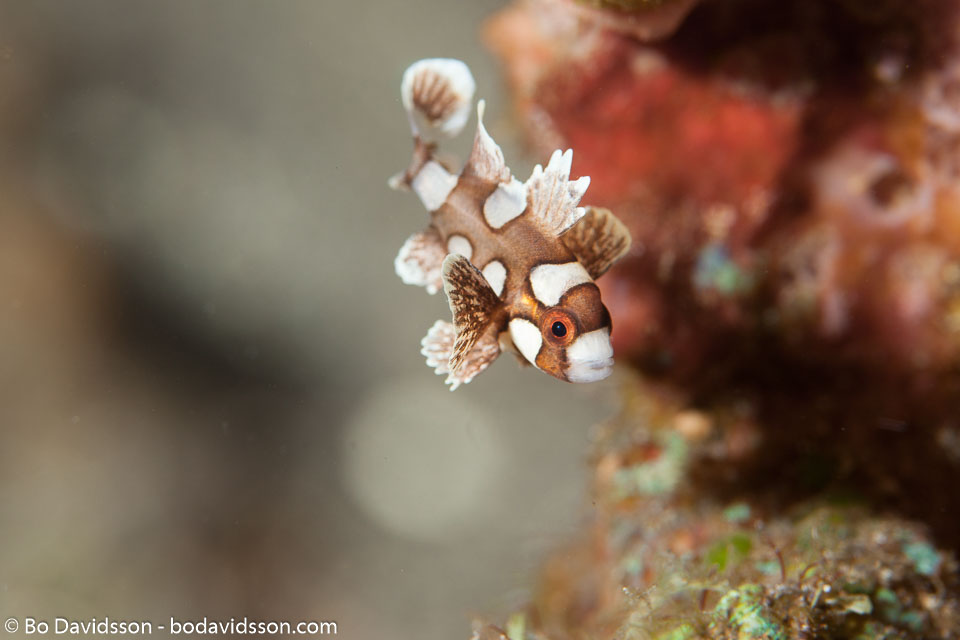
(496, 275)
(459, 244)
(433, 184)
(526, 337)
(551, 281)
(506, 203)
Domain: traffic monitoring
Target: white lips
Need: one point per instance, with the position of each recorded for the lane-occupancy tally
(590, 357)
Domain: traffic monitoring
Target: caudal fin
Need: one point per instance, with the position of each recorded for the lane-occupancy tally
(437, 94)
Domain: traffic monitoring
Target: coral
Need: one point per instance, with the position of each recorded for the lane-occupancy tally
(641, 19)
(789, 174)
(773, 183)
(626, 5)
(666, 559)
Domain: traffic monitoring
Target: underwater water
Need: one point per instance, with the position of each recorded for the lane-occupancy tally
(215, 416)
(213, 402)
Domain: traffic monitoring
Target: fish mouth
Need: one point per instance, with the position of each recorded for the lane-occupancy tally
(591, 371)
(590, 357)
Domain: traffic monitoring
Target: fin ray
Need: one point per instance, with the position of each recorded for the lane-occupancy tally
(598, 240)
(553, 196)
(437, 346)
(472, 302)
(420, 260)
(486, 158)
(436, 93)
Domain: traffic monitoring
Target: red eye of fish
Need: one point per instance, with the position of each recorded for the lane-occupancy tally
(558, 327)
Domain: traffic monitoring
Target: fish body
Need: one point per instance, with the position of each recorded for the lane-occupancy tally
(517, 260)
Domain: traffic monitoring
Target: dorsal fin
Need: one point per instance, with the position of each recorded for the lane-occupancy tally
(473, 304)
(486, 158)
(553, 197)
(598, 240)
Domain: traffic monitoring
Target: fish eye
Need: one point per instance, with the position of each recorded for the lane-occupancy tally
(559, 327)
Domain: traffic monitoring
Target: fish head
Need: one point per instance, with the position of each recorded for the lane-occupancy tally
(569, 340)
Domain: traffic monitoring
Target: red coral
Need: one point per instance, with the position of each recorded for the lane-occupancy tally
(794, 181)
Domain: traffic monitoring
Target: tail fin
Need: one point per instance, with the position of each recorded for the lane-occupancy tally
(437, 94)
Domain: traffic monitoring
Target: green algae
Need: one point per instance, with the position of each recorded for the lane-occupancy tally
(729, 551)
(767, 567)
(718, 568)
(926, 559)
(658, 476)
(716, 271)
(744, 610)
(737, 512)
(683, 632)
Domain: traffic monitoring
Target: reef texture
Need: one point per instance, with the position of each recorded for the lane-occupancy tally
(790, 174)
(786, 170)
(664, 557)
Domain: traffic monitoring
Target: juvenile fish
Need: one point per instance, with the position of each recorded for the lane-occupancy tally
(517, 260)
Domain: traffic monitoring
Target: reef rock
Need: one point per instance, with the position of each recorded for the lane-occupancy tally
(790, 174)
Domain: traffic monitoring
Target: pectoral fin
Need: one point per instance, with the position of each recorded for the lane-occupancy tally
(437, 346)
(598, 241)
(474, 305)
(420, 259)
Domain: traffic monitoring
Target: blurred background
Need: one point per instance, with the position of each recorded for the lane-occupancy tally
(212, 400)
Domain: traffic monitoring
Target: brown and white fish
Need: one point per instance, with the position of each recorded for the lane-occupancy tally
(517, 260)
